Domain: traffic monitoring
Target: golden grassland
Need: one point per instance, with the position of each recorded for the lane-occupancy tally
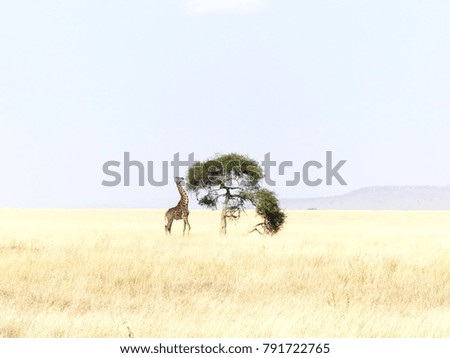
(114, 273)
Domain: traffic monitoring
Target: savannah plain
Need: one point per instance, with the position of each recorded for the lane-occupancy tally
(114, 273)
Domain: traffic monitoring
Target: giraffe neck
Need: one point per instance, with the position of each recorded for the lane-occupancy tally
(184, 197)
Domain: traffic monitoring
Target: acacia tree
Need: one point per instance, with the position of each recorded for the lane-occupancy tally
(267, 207)
(231, 179)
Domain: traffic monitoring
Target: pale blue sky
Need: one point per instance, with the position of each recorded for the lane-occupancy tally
(81, 82)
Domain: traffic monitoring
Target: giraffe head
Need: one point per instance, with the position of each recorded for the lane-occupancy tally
(179, 180)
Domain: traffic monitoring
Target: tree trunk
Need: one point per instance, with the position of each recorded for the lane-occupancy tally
(223, 219)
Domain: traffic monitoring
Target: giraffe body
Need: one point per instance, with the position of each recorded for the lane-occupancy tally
(181, 211)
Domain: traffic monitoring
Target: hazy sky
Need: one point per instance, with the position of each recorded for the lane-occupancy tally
(82, 82)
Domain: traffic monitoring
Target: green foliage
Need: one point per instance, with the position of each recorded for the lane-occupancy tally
(223, 169)
(267, 207)
(233, 175)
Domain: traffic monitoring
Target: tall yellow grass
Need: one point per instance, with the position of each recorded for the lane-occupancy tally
(114, 273)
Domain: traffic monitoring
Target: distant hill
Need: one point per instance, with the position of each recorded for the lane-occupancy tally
(379, 198)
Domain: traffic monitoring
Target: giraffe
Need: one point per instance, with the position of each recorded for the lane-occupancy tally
(180, 211)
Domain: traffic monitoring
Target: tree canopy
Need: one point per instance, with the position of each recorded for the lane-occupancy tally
(267, 206)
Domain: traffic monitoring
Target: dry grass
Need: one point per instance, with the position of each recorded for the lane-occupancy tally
(113, 273)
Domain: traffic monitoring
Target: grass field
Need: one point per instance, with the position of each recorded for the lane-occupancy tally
(114, 273)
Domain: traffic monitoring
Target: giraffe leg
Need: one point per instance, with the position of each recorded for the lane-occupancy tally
(169, 226)
(186, 222)
(189, 226)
